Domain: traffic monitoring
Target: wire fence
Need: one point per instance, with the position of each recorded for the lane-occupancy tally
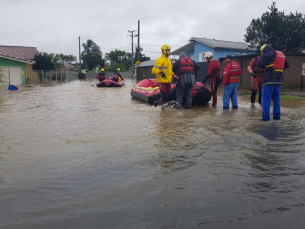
(48, 77)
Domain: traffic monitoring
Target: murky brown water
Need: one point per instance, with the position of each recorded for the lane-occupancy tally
(77, 156)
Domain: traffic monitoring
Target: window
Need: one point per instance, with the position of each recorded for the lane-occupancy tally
(201, 57)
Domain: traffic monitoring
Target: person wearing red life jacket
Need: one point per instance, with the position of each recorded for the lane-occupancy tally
(274, 62)
(231, 73)
(185, 69)
(117, 75)
(256, 80)
(213, 73)
(101, 75)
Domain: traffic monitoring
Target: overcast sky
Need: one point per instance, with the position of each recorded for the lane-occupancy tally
(53, 26)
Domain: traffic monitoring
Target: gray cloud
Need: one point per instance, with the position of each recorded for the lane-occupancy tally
(54, 26)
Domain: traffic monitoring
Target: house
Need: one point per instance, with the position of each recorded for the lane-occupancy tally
(197, 47)
(17, 62)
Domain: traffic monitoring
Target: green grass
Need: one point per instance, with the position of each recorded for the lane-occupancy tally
(289, 97)
(282, 97)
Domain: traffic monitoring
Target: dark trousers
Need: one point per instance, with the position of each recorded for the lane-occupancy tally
(184, 91)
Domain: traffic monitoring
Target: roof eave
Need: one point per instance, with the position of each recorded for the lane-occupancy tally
(17, 59)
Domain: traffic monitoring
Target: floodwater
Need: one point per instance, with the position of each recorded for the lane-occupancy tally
(77, 156)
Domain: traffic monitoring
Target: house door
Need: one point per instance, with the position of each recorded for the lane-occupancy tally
(14, 74)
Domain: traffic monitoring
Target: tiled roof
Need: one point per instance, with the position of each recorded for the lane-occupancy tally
(20, 52)
(222, 44)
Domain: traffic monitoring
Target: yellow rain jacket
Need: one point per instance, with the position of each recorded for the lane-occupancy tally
(164, 64)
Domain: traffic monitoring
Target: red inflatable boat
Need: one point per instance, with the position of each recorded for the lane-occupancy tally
(148, 91)
(108, 82)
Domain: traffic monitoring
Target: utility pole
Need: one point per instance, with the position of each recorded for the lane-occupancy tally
(79, 55)
(132, 36)
(138, 54)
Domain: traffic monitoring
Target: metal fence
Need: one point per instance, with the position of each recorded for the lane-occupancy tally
(48, 77)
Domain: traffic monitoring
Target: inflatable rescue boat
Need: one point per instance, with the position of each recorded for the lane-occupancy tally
(108, 82)
(148, 91)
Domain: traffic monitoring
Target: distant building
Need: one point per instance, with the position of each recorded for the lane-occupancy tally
(17, 61)
(197, 47)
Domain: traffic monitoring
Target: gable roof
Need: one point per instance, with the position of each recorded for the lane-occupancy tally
(19, 52)
(222, 44)
(214, 44)
(147, 63)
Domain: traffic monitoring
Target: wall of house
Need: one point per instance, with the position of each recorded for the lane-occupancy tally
(32, 77)
(218, 53)
(292, 76)
(190, 53)
(199, 48)
(12, 63)
(145, 72)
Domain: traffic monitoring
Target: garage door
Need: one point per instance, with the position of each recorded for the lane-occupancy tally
(15, 76)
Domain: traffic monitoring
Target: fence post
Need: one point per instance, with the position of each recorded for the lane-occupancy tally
(33, 78)
(56, 76)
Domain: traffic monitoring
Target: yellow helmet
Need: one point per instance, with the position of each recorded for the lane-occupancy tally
(102, 69)
(164, 47)
(118, 69)
(262, 48)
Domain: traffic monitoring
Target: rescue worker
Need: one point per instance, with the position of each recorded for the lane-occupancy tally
(256, 81)
(117, 75)
(213, 73)
(101, 75)
(163, 70)
(274, 63)
(185, 69)
(229, 82)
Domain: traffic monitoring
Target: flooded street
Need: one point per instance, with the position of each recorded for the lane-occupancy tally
(78, 156)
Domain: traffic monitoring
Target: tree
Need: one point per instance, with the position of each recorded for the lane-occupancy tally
(91, 56)
(119, 57)
(282, 32)
(142, 57)
(43, 62)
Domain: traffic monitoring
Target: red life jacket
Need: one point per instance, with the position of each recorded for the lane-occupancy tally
(255, 69)
(216, 70)
(234, 72)
(186, 65)
(279, 61)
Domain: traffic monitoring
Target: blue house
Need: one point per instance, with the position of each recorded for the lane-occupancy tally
(197, 47)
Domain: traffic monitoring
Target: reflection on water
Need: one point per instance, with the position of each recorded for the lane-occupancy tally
(77, 156)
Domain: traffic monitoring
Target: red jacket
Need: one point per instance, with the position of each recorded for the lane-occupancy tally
(231, 72)
(214, 69)
(254, 67)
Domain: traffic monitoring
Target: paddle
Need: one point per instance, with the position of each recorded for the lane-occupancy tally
(151, 82)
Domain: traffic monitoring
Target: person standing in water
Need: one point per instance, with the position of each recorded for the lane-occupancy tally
(185, 69)
(163, 70)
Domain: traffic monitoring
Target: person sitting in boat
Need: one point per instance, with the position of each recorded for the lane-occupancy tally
(117, 76)
(101, 75)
